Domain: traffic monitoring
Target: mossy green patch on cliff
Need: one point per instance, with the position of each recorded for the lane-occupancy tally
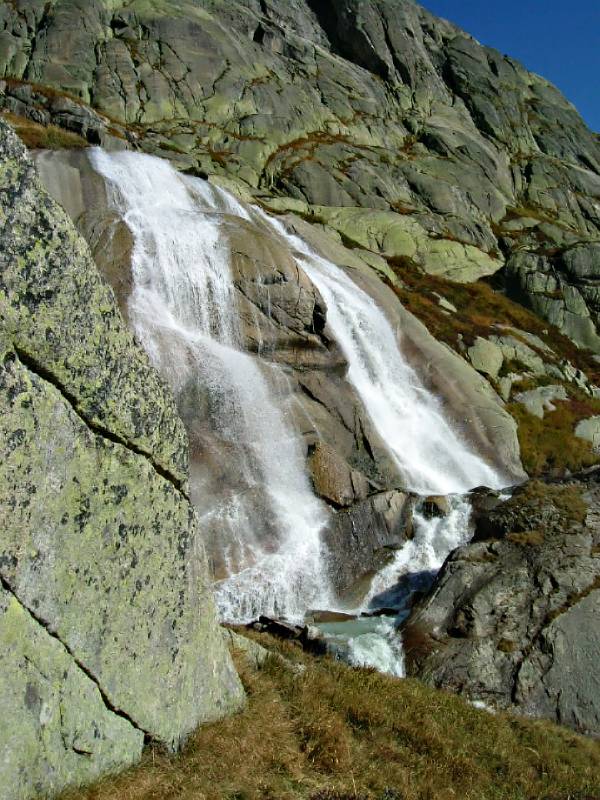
(317, 728)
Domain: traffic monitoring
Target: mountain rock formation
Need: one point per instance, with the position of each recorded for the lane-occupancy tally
(432, 170)
(512, 619)
(466, 163)
(108, 631)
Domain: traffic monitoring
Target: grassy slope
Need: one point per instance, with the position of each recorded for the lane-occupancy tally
(335, 733)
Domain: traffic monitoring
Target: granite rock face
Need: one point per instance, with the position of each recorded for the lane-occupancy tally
(390, 140)
(107, 625)
(512, 618)
(465, 162)
(284, 318)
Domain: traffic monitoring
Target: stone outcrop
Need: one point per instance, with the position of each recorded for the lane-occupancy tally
(364, 537)
(512, 618)
(393, 143)
(389, 125)
(108, 633)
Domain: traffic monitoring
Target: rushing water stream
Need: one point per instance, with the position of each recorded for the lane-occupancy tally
(183, 311)
(267, 520)
(431, 456)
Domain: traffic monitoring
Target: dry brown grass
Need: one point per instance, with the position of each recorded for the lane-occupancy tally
(336, 733)
(481, 311)
(49, 137)
(533, 538)
(549, 446)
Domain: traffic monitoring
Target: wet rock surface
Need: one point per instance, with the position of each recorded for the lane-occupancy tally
(284, 319)
(511, 619)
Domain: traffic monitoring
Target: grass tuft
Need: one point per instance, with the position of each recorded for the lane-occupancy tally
(330, 732)
(43, 137)
(549, 446)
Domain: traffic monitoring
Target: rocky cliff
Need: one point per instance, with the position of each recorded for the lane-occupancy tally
(467, 164)
(512, 619)
(430, 157)
(429, 167)
(107, 625)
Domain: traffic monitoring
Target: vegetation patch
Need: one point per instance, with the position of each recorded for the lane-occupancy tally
(482, 311)
(507, 646)
(320, 730)
(533, 538)
(46, 137)
(536, 498)
(549, 446)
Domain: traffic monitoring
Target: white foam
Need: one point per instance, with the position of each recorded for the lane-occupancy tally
(183, 310)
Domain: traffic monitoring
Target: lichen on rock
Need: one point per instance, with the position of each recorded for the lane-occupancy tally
(108, 628)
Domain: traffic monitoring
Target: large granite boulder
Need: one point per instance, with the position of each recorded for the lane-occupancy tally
(512, 618)
(108, 632)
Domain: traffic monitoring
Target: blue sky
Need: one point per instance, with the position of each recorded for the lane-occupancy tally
(557, 39)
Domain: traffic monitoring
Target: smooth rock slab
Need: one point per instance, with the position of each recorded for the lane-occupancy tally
(486, 357)
(589, 429)
(64, 733)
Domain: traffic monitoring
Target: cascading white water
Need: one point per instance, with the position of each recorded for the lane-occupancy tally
(266, 518)
(430, 454)
(413, 569)
(183, 310)
(415, 565)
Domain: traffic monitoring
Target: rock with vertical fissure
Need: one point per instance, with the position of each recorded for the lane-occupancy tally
(108, 630)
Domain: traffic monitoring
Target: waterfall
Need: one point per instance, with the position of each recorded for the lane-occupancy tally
(248, 475)
(431, 456)
(249, 482)
(417, 563)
